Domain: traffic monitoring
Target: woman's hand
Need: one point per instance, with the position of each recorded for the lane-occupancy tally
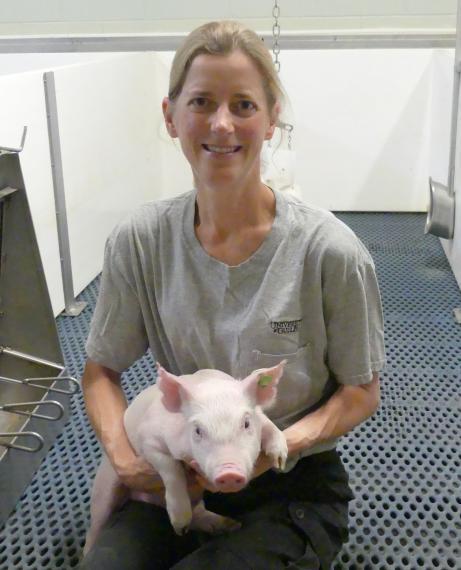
(263, 464)
(139, 475)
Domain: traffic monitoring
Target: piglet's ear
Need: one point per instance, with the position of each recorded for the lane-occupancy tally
(172, 388)
(261, 385)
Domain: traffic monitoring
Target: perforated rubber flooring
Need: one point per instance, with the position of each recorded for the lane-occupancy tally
(404, 462)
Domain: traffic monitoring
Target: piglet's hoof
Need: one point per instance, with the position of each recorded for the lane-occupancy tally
(277, 450)
(181, 530)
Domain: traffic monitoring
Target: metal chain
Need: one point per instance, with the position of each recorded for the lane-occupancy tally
(276, 35)
(276, 49)
(288, 127)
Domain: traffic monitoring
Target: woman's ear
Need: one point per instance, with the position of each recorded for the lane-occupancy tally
(167, 108)
(274, 117)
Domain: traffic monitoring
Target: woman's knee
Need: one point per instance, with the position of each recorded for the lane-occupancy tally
(140, 536)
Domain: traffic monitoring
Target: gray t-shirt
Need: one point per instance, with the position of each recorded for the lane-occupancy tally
(308, 295)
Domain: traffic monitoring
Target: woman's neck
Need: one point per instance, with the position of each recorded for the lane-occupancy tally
(228, 211)
(232, 226)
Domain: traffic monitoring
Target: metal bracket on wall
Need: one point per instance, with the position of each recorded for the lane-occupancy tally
(46, 383)
(29, 409)
(4, 149)
(72, 307)
(23, 434)
(22, 409)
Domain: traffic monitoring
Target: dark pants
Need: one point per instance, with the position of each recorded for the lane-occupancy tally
(296, 520)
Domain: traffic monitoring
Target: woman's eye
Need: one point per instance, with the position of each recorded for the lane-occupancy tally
(245, 107)
(199, 103)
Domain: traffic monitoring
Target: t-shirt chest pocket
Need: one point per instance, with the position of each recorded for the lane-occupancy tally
(294, 391)
(266, 342)
(265, 346)
(262, 359)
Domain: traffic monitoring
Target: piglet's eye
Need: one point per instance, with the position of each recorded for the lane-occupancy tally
(247, 423)
(198, 431)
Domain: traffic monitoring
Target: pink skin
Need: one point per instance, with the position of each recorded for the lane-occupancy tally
(229, 476)
(222, 104)
(229, 479)
(208, 416)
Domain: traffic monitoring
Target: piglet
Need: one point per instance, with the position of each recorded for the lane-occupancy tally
(209, 419)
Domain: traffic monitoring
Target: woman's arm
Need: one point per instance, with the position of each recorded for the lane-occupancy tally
(106, 404)
(348, 407)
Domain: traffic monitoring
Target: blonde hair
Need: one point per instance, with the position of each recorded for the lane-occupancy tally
(223, 38)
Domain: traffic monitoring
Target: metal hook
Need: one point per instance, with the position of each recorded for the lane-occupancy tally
(73, 381)
(11, 149)
(16, 409)
(31, 382)
(32, 434)
(285, 126)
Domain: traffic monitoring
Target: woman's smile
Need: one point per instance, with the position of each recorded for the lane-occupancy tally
(226, 150)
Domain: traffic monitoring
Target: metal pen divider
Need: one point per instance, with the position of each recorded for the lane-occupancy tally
(31, 361)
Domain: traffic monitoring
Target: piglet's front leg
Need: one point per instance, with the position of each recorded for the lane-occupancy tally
(178, 504)
(273, 442)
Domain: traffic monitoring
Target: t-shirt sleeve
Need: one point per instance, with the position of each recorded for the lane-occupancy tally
(353, 316)
(117, 335)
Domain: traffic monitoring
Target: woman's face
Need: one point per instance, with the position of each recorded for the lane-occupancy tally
(221, 118)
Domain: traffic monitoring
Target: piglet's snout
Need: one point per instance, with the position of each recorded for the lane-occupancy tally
(230, 478)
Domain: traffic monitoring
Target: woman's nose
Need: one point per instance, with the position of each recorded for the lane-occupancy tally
(222, 120)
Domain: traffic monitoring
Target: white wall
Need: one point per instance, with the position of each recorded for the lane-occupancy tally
(22, 103)
(107, 111)
(20, 62)
(442, 94)
(452, 247)
(112, 16)
(362, 121)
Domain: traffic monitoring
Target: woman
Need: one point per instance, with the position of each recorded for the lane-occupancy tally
(235, 276)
